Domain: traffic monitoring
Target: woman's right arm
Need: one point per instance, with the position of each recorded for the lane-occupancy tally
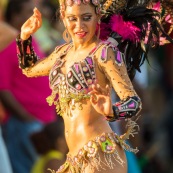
(42, 67)
(29, 62)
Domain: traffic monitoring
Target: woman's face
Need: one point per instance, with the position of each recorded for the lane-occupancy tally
(81, 21)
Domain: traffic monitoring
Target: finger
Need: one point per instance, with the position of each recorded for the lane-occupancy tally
(97, 88)
(93, 99)
(108, 90)
(101, 90)
(93, 92)
(37, 12)
(39, 23)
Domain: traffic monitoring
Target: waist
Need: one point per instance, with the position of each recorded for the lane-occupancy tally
(83, 128)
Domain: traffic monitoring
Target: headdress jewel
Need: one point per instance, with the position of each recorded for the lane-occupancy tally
(64, 3)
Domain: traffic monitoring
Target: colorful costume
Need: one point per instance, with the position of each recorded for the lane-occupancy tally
(71, 89)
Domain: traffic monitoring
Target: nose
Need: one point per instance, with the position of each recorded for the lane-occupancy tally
(79, 24)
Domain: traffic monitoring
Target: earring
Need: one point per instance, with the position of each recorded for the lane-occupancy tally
(66, 36)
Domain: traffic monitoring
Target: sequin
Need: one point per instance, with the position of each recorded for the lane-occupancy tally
(89, 81)
(102, 139)
(85, 69)
(78, 86)
(69, 74)
(90, 143)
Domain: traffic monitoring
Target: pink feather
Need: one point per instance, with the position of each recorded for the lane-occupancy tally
(125, 29)
(157, 6)
(104, 31)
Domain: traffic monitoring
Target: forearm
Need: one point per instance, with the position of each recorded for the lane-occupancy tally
(125, 109)
(14, 107)
(29, 62)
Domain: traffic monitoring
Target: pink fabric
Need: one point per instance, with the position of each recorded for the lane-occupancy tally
(30, 92)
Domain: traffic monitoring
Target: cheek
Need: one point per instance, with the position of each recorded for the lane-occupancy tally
(70, 26)
(93, 26)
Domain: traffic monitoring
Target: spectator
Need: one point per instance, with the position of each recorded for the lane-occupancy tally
(4, 158)
(27, 110)
(52, 153)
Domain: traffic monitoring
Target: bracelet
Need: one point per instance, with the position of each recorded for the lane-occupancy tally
(25, 52)
(125, 109)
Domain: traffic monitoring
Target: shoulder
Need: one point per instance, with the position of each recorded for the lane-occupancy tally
(62, 48)
(108, 51)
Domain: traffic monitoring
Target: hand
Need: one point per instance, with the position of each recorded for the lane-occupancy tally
(31, 25)
(101, 99)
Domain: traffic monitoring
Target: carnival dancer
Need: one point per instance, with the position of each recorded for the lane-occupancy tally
(82, 73)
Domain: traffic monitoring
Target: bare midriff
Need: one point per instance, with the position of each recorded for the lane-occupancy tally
(82, 126)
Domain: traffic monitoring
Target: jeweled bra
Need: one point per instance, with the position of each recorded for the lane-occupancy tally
(73, 87)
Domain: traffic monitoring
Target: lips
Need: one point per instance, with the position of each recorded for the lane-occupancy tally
(81, 34)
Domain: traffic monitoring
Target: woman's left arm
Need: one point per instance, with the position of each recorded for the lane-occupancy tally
(112, 64)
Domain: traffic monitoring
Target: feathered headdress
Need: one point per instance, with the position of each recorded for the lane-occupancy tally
(137, 25)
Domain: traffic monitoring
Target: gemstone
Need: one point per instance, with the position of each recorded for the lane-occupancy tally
(103, 55)
(28, 51)
(108, 148)
(102, 138)
(69, 74)
(132, 105)
(76, 66)
(85, 69)
(63, 78)
(118, 57)
(90, 143)
(91, 150)
(75, 159)
(80, 152)
(89, 60)
(89, 81)
(78, 86)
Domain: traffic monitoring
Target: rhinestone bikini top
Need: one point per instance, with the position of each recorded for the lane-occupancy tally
(73, 86)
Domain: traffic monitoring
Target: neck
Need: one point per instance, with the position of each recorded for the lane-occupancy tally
(79, 46)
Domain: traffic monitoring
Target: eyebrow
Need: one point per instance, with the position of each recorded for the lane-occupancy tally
(68, 15)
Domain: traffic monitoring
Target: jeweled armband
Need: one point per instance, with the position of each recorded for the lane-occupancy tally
(25, 52)
(125, 109)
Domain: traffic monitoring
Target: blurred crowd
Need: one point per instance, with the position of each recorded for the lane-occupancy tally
(31, 133)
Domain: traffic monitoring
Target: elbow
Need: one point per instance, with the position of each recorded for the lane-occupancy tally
(27, 72)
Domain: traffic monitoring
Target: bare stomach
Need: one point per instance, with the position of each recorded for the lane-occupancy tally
(83, 125)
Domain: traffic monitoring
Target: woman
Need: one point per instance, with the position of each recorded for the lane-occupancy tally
(81, 75)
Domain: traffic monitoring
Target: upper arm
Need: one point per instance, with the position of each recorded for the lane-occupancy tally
(42, 67)
(112, 64)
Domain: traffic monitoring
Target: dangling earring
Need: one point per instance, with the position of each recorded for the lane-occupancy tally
(98, 31)
(66, 36)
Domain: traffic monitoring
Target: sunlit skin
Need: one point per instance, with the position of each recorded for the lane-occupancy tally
(82, 125)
